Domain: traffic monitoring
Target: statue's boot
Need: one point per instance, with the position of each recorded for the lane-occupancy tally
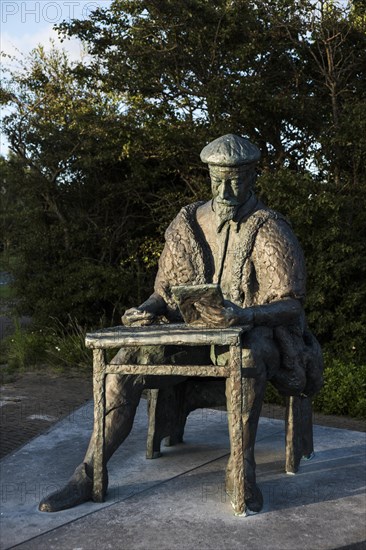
(253, 494)
(78, 489)
(253, 497)
(123, 395)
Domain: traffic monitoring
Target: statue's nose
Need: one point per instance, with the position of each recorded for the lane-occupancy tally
(224, 190)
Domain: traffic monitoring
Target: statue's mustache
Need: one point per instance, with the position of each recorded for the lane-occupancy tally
(228, 204)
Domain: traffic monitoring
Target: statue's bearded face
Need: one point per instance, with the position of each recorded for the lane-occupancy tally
(231, 186)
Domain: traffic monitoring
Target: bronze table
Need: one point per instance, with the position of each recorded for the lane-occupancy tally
(173, 334)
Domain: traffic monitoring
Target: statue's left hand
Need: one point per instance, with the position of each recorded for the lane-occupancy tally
(145, 314)
(224, 316)
(138, 317)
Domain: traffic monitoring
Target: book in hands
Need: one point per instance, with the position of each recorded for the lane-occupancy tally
(187, 296)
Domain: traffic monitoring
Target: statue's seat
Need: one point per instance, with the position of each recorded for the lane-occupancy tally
(168, 409)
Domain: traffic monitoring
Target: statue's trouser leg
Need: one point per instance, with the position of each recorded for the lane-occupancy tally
(123, 394)
(261, 355)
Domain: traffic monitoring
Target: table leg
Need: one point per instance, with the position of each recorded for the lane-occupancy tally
(99, 364)
(236, 429)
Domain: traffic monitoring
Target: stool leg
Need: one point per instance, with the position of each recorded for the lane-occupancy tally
(167, 417)
(99, 364)
(299, 432)
(307, 428)
(152, 443)
(293, 427)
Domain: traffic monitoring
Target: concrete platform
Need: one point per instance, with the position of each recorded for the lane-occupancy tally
(178, 501)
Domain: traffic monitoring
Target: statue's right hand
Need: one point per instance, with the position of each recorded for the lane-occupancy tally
(137, 317)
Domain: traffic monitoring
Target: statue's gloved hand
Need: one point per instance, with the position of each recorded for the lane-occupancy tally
(138, 317)
(224, 316)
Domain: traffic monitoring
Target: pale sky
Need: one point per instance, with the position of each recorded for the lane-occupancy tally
(26, 23)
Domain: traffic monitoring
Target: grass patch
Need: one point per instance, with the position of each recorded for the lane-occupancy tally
(66, 347)
(24, 348)
(59, 350)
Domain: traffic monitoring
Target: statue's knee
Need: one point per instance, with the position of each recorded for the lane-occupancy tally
(254, 364)
(249, 358)
(260, 348)
(291, 382)
(122, 388)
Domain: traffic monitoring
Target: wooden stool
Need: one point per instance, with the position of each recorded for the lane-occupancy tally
(169, 408)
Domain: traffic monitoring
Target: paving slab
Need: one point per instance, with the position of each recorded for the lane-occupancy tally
(179, 501)
(34, 401)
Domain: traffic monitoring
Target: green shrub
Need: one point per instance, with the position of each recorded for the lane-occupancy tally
(272, 396)
(344, 390)
(343, 393)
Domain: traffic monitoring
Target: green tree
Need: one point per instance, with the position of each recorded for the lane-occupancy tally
(121, 133)
(332, 230)
(90, 198)
(210, 66)
(67, 174)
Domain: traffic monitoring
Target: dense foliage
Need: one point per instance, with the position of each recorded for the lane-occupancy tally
(105, 152)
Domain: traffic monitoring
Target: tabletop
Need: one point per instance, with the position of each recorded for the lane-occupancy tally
(173, 334)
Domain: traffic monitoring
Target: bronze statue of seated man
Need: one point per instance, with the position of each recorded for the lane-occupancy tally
(251, 252)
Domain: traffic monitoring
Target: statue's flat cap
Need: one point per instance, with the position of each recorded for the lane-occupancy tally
(230, 150)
